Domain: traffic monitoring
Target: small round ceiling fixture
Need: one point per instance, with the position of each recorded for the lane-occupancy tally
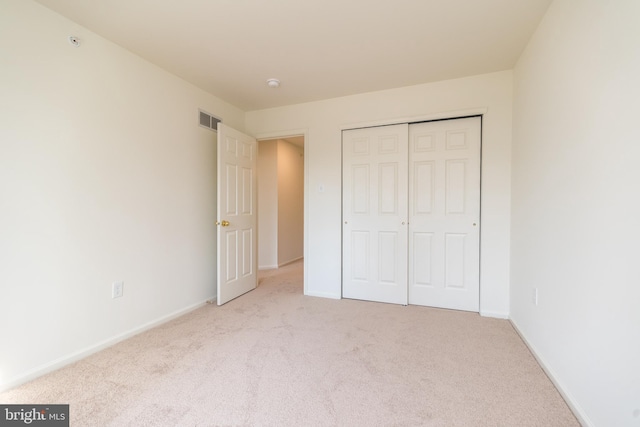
(273, 83)
(74, 41)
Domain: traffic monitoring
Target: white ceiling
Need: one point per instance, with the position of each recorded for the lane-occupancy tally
(319, 49)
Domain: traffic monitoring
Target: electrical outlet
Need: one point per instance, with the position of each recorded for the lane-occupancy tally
(534, 296)
(117, 289)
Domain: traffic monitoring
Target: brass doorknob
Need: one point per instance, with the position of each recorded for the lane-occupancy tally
(224, 223)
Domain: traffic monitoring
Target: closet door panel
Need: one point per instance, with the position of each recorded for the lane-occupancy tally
(444, 204)
(375, 205)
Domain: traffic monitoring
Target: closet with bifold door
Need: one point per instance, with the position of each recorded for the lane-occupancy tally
(411, 213)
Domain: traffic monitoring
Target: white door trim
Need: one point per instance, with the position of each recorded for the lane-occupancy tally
(448, 115)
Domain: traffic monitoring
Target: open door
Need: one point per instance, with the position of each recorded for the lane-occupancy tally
(237, 216)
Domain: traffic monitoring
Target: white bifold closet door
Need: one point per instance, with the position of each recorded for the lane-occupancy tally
(411, 211)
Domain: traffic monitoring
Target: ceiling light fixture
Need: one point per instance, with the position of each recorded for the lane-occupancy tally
(273, 83)
(74, 41)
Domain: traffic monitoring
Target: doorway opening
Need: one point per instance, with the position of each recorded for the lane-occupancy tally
(281, 201)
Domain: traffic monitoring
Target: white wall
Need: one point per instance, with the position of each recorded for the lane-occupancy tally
(104, 176)
(268, 204)
(290, 202)
(323, 122)
(576, 204)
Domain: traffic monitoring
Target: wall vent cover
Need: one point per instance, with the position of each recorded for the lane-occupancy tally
(208, 121)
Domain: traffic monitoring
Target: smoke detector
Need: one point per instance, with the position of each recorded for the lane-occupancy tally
(274, 83)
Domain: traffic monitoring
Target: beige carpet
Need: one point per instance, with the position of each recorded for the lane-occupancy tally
(274, 357)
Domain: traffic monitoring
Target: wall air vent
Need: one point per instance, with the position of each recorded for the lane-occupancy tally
(208, 121)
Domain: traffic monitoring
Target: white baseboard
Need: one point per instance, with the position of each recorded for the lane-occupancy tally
(291, 261)
(323, 295)
(495, 314)
(276, 266)
(577, 410)
(81, 354)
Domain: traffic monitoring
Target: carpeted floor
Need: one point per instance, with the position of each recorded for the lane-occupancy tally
(274, 357)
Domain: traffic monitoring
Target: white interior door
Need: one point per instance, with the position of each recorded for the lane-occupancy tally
(237, 216)
(444, 207)
(375, 214)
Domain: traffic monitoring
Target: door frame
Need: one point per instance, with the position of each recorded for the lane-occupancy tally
(450, 115)
(283, 134)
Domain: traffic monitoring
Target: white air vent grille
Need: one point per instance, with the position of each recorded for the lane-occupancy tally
(208, 121)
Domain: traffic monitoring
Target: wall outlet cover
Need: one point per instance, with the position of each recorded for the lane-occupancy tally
(117, 289)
